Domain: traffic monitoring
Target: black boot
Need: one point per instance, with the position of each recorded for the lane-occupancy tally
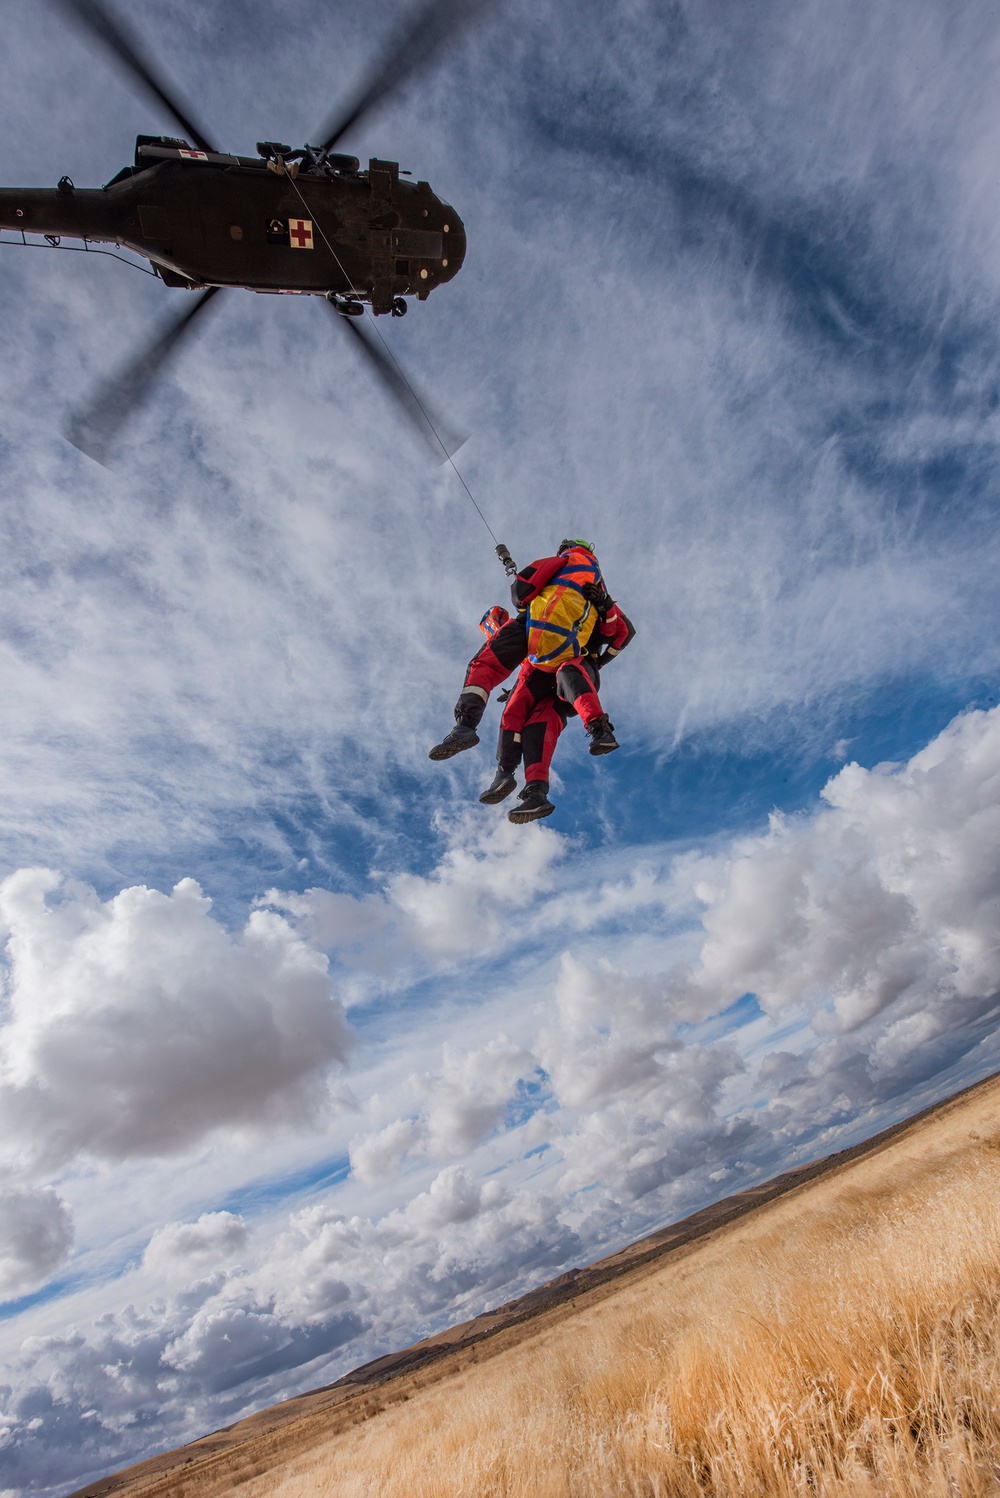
(469, 710)
(602, 736)
(453, 743)
(503, 783)
(534, 801)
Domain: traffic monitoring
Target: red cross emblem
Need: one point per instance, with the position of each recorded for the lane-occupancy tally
(194, 155)
(300, 233)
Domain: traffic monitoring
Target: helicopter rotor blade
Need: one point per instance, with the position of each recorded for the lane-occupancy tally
(425, 33)
(94, 430)
(442, 443)
(103, 25)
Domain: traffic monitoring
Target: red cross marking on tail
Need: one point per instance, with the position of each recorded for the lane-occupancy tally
(300, 233)
(194, 155)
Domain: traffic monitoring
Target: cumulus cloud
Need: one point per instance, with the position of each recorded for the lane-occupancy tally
(867, 926)
(378, 1155)
(137, 1025)
(460, 1104)
(326, 1293)
(478, 888)
(488, 875)
(796, 502)
(887, 900)
(36, 1235)
(493, 888)
(864, 931)
(194, 1247)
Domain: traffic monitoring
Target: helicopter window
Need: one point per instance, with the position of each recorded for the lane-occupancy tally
(402, 267)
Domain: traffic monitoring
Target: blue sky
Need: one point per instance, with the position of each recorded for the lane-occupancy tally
(303, 1053)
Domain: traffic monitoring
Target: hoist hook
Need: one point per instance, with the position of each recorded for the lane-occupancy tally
(509, 565)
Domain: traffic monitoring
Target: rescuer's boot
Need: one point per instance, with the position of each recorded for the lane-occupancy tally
(534, 801)
(453, 743)
(503, 783)
(602, 735)
(469, 710)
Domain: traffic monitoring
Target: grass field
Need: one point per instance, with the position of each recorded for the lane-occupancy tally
(844, 1341)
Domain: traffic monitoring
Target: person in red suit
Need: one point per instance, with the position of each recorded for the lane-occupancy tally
(560, 600)
(536, 713)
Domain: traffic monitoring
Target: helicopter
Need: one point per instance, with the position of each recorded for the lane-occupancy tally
(308, 221)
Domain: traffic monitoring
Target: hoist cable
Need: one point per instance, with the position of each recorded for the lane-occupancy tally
(402, 375)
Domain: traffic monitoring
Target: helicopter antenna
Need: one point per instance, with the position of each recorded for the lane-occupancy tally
(398, 380)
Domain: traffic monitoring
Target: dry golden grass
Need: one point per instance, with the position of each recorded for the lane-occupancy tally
(846, 1341)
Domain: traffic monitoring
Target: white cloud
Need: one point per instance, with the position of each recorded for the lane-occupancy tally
(487, 879)
(192, 1248)
(764, 379)
(36, 1235)
(865, 929)
(887, 899)
(377, 1156)
(191, 628)
(467, 1098)
(137, 1025)
(459, 1106)
(494, 890)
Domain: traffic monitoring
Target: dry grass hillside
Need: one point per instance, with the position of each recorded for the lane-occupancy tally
(841, 1338)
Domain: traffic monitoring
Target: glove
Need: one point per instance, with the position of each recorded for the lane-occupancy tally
(595, 594)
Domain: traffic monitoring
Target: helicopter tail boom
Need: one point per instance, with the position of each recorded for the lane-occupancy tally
(68, 213)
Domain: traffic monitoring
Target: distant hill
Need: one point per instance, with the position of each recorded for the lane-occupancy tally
(835, 1330)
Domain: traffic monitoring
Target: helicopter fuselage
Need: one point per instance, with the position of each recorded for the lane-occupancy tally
(204, 219)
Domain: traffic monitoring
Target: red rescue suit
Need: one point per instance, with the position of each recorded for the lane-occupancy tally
(508, 647)
(536, 714)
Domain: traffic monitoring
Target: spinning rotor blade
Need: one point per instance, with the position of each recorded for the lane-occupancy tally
(100, 23)
(426, 32)
(94, 431)
(442, 443)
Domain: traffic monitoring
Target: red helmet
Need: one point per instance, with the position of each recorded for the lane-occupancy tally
(493, 620)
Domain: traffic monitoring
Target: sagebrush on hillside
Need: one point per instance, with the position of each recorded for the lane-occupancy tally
(848, 1343)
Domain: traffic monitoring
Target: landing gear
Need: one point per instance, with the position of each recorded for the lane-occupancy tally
(398, 308)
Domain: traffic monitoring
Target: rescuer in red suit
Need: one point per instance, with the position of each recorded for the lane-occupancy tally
(536, 713)
(507, 647)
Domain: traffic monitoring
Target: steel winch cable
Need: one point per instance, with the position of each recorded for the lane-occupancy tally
(499, 547)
